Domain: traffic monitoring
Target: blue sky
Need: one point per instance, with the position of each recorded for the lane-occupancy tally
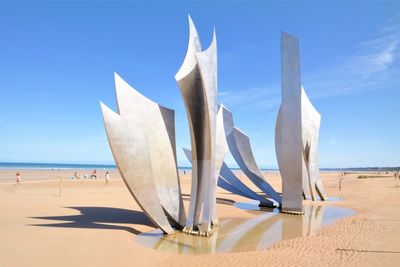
(57, 60)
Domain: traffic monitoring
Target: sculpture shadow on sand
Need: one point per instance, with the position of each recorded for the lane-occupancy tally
(99, 218)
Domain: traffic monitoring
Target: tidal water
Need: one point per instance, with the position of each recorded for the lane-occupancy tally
(257, 233)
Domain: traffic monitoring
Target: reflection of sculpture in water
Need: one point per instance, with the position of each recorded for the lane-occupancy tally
(256, 233)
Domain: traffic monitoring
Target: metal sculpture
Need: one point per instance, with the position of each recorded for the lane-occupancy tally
(240, 148)
(226, 178)
(296, 133)
(311, 119)
(144, 146)
(150, 173)
(197, 80)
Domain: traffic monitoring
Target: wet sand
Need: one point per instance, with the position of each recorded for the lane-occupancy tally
(92, 224)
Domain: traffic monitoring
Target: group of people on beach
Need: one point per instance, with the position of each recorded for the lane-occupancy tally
(18, 178)
(93, 175)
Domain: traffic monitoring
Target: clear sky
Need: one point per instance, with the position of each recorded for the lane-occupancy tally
(57, 60)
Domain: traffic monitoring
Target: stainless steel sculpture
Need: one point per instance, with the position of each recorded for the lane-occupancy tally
(221, 147)
(227, 180)
(230, 182)
(288, 133)
(197, 80)
(142, 139)
(240, 148)
(311, 119)
(144, 150)
(296, 133)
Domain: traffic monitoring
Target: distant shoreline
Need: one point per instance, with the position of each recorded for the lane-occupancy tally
(68, 166)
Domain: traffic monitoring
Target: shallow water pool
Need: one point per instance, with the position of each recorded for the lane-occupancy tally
(240, 234)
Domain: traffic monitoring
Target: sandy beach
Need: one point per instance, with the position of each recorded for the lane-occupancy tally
(49, 222)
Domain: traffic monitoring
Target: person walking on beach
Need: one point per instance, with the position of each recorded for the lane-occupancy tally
(107, 177)
(340, 181)
(18, 178)
(94, 174)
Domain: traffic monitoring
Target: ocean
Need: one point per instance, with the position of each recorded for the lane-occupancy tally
(61, 166)
(49, 166)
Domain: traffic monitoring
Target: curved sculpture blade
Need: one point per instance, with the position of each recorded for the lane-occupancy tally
(129, 146)
(197, 80)
(240, 148)
(227, 180)
(311, 120)
(159, 124)
(230, 188)
(231, 178)
(207, 61)
(188, 82)
(190, 62)
(221, 147)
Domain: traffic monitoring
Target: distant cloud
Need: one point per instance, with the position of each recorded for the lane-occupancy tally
(256, 98)
(372, 67)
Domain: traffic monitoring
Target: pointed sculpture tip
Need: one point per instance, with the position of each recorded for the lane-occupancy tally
(191, 23)
(116, 76)
(103, 107)
(192, 27)
(214, 35)
(225, 108)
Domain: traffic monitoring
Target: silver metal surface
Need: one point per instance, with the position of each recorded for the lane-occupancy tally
(129, 146)
(296, 133)
(220, 150)
(197, 80)
(159, 123)
(221, 147)
(227, 180)
(227, 175)
(311, 120)
(240, 148)
(288, 131)
(229, 187)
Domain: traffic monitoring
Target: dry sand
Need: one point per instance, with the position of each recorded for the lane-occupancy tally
(92, 224)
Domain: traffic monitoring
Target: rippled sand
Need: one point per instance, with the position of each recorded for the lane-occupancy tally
(92, 224)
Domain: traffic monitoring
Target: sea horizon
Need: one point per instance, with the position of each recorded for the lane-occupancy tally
(85, 166)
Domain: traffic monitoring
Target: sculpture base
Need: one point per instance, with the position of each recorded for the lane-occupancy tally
(266, 207)
(196, 230)
(293, 212)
